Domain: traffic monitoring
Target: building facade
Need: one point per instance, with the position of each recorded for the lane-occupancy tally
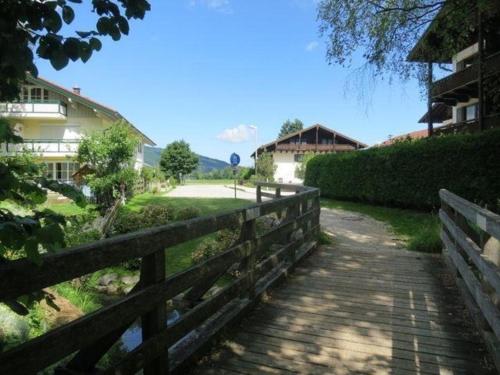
(52, 120)
(288, 152)
(468, 99)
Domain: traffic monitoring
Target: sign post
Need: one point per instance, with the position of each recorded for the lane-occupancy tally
(234, 160)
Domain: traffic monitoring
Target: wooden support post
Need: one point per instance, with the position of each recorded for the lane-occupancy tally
(152, 272)
(277, 193)
(249, 232)
(259, 194)
(480, 86)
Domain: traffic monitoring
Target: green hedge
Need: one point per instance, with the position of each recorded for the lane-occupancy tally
(410, 174)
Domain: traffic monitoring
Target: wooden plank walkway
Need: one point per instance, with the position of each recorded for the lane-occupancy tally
(351, 310)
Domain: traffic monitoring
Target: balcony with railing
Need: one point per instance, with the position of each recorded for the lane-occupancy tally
(34, 109)
(43, 146)
(313, 147)
(461, 86)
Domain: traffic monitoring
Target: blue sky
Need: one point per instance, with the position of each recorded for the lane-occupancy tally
(195, 68)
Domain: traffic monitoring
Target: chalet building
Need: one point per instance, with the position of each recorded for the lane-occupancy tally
(288, 152)
(52, 120)
(468, 99)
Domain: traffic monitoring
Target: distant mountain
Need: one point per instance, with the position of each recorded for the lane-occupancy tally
(152, 157)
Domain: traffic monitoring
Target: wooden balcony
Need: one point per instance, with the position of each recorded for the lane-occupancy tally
(314, 147)
(34, 110)
(472, 126)
(461, 86)
(458, 87)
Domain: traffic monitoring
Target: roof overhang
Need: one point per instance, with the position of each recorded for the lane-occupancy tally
(432, 45)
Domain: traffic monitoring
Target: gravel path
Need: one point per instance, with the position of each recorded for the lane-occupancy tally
(352, 230)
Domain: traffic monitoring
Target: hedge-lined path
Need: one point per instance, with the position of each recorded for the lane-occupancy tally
(363, 305)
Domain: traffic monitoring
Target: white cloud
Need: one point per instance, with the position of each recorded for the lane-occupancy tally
(312, 46)
(223, 6)
(238, 134)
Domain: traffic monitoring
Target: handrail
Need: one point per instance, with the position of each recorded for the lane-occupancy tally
(93, 334)
(471, 236)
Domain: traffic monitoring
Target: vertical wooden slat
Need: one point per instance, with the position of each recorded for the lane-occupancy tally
(249, 232)
(153, 271)
(259, 194)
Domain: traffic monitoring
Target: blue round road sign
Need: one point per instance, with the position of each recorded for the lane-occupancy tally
(234, 159)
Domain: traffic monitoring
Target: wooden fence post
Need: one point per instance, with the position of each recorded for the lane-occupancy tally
(152, 272)
(277, 194)
(259, 194)
(249, 233)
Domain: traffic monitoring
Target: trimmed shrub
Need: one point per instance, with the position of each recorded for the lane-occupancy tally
(149, 216)
(187, 213)
(410, 174)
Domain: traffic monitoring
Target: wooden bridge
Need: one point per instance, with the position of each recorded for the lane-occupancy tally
(342, 310)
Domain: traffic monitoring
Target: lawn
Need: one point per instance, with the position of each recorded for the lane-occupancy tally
(206, 205)
(63, 208)
(420, 230)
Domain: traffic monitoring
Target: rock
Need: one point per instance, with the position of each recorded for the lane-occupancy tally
(13, 327)
(130, 280)
(107, 279)
(112, 289)
(127, 289)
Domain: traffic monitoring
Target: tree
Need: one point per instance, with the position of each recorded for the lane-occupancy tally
(300, 170)
(289, 127)
(386, 31)
(30, 28)
(109, 156)
(177, 158)
(265, 168)
(22, 182)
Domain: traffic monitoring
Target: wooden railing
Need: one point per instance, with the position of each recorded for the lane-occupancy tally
(260, 259)
(471, 236)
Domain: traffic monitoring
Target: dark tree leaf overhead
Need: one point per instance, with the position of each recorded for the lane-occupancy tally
(34, 29)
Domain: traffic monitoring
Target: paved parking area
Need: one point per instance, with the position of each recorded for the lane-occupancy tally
(212, 191)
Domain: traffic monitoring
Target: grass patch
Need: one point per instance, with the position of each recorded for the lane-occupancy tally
(206, 205)
(419, 230)
(324, 238)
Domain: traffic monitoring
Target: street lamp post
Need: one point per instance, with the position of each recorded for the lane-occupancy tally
(254, 128)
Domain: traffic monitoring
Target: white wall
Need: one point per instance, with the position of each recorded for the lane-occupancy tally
(285, 171)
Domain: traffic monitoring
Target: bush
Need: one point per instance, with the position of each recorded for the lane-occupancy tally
(149, 216)
(187, 213)
(410, 174)
(223, 240)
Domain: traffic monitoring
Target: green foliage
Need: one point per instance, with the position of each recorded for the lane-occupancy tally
(177, 158)
(187, 213)
(300, 170)
(22, 183)
(149, 216)
(289, 127)
(210, 247)
(79, 229)
(386, 31)
(109, 156)
(242, 173)
(265, 168)
(40, 26)
(410, 174)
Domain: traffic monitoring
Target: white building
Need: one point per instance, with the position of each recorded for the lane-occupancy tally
(288, 152)
(52, 120)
